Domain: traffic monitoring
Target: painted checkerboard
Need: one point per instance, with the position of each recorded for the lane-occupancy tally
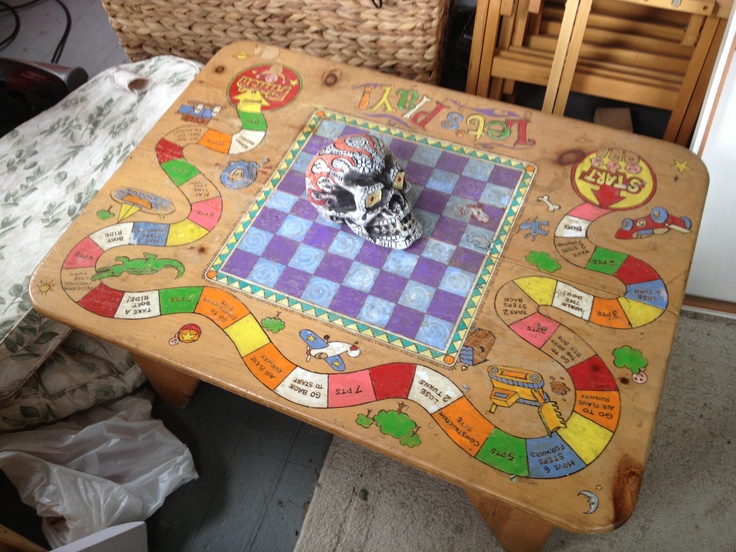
(421, 299)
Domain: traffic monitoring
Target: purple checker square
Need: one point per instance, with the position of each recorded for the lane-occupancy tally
(505, 176)
(292, 183)
(428, 271)
(451, 162)
(418, 174)
(292, 281)
(315, 143)
(320, 236)
(432, 201)
(388, 286)
(467, 259)
(333, 267)
(449, 230)
(446, 306)
(269, 220)
(469, 188)
(403, 149)
(304, 209)
(405, 321)
(240, 263)
(280, 249)
(372, 254)
(348, 301)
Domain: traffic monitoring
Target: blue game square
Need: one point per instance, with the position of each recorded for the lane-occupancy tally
(498, 196)
(376, 311)
(330, 129)
(427, 220)
(439, 251)
(442, 181)
(434, 332)
(417, 296)
(479, 169)
(282, 201)
(150, 233)
(306, 258)
(361, 276)
(425, 155)
(294, 228)
(266, 272)
(457, 281)
(320, 291)
(401, 263)
(255, 241)
(346, 244)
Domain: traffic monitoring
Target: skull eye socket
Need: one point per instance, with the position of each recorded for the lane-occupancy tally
(399, 181)
(373, 198)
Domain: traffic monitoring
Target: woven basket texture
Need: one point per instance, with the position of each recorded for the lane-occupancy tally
(403, 38)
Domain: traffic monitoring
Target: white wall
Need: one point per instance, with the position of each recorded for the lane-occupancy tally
(713, 273)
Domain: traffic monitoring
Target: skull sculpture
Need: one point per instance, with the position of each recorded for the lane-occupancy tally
(356, 180)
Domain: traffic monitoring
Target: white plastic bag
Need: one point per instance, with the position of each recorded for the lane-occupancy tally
(107, 466)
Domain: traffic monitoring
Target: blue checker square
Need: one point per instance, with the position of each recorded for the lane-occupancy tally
(376, 311)
(457, 281)
(255, 241)
(438, 251)
(346, 244)
(294, 228)
(306, 258)
(282, 201)
(442, 181)
(417, 296)
(320, 291)
(427, 220)
(426, 156)
(401, 263)
(361, 277)
(498, 196)
(330, 129)
(478, 169)
(266, 273)
(434, 332)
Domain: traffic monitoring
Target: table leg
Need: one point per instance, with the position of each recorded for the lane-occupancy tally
(173, 387)
(515, 530)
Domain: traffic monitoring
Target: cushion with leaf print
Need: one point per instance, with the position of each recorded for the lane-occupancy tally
(50, 167)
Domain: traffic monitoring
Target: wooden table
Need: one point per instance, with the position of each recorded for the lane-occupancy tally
(518, 349)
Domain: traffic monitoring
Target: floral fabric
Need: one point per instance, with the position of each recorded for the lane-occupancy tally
(50, 167)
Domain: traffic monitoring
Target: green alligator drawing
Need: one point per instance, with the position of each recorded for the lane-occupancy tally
(149, 264)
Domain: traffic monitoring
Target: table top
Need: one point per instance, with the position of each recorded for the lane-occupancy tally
(518, 348)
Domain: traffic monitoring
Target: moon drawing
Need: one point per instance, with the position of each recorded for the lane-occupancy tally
(592, 500)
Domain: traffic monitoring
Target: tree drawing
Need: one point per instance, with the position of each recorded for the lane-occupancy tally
(395, 423)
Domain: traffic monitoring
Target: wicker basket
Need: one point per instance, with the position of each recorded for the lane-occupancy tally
(401, 38)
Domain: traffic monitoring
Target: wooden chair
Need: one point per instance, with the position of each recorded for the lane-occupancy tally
(646, 52)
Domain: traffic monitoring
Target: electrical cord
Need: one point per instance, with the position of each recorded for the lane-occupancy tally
(13, 10)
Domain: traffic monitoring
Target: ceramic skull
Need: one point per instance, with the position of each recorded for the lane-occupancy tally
(356, 180)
